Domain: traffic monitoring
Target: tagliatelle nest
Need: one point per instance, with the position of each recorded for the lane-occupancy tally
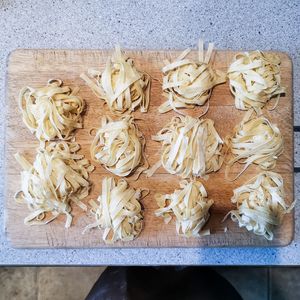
(118, 146)
(255, 141)
(118, 211)
(190, 207)
(120, 85)
(254, 79)
(260, 204)
(187, 83)
(58, 177)
(51, 112)
(190, 147)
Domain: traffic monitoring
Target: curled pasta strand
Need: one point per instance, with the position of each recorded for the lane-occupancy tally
(58, 177)
(255, 141)
(120, 85)
(51, 112)
(190, 147)
(190, 206)
(119, 147)
(118, 211)
(254, 79)
(260, 204)
(188, 83)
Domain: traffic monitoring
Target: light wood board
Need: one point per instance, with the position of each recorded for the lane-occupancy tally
(34, 68)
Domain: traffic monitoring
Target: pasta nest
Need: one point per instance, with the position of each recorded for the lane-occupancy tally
(118, 211)
(57, 177)
(190, 207)
(254, 79)
(187, 83)
(118, 146)
(190, 147)
(255, 141)
(51, 112)
(120, 85)
(260, 204)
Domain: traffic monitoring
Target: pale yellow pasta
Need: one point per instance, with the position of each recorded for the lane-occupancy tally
(255, 141)
(190, 207)
(260, 204)
(51, 112)
(118, 146)
(120, 85)
(190, 147)
(118, 211)
(254, 79)
(58, 177)
(187, 83)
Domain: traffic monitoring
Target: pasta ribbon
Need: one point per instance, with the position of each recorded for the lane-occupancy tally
(118, 146)
(190, 207)
(120, 85)
(255, 141)
(51, 112)
(254, 79)
(187, 83)
(190, 147)
(57, 177)
(118, 211)
(260, 204)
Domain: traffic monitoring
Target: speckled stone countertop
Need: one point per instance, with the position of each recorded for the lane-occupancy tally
(151, 25)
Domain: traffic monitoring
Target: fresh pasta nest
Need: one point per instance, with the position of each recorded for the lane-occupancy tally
(190, 147)
(187, 83)
(58, 177)
(189, 205)
(254, 79)
(51, 112)
(120, 85)
(255, 141)
(118, 146)
(260, 204)
(118, 211)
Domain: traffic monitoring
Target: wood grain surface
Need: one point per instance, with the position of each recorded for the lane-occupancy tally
(34, 68)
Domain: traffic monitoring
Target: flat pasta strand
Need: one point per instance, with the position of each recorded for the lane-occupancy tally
(118, 211)
(187, 83)
(190, 207)
(118, 146)
(254, 78)
(51, 112)
(260, 204)
(120, 85)
(57, 177)
(255, 141)
(190, 147)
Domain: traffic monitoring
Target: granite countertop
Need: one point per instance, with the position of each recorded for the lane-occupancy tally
(151, 25)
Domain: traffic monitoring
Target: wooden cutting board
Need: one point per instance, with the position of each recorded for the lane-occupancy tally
(35, 67)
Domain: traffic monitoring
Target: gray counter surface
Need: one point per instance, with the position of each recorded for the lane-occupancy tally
(151, 25)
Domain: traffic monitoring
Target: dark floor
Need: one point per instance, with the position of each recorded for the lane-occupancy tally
(280, 283)
(60, 283)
